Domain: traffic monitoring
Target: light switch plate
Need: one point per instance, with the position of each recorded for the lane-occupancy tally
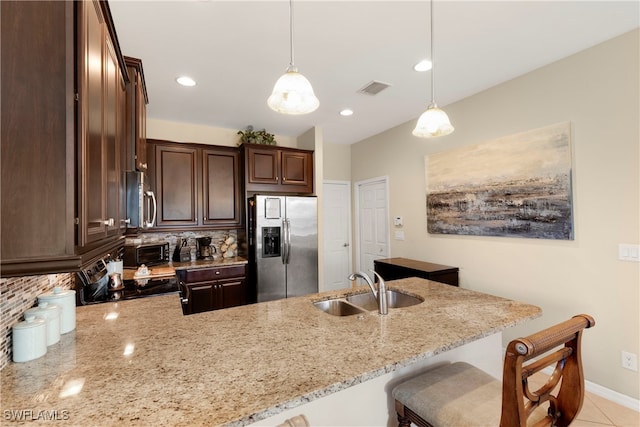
(399, 235)
(628, 252)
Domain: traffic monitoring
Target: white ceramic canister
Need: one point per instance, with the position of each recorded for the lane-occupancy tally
(29, 339)
(115, 267)
(66, 299)
(51, 314)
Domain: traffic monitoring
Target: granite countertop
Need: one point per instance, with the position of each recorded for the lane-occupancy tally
(168, 270)
(201, 263)
(141, 362)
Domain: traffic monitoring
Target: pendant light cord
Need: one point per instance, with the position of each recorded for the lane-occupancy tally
(433, 61)
(291, 63)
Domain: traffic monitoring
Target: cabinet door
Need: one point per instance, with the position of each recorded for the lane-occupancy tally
(111, 137)
(136, 113)
(36, 130)
(92, 191)
(141, 125)
(233, 292)
(263, 166)
(122, 158)
(221, 187)
(201, 297)
(297, 170)
(176, 185)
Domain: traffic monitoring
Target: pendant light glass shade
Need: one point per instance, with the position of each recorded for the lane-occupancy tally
(293, 94)
(434, 122)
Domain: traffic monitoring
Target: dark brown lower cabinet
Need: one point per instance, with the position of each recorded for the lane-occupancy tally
(206, 289)
(401, 268)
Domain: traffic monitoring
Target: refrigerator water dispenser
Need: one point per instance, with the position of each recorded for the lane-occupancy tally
(270, 242)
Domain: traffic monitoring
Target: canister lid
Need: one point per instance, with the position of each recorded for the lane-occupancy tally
(30, 321)
(45, 309)
(57, 293)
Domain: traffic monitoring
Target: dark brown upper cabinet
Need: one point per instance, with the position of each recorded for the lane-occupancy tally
(136, 113)
(175, 175)
(222, 192)
(197, 186)
(61, 129)
(270, 168)
(101, 89)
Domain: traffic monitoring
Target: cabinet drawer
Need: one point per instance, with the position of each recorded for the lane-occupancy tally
(205, 274)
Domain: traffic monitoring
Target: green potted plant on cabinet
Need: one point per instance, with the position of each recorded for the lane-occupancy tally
(250, 136)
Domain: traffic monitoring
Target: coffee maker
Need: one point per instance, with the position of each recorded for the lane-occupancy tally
(204, 250)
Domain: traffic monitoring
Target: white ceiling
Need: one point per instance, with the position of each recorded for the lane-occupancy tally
(236, 50)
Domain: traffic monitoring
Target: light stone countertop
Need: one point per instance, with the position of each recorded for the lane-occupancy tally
(238, 365)
(168, 270)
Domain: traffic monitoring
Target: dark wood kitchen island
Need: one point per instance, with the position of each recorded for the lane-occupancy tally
(141, 362)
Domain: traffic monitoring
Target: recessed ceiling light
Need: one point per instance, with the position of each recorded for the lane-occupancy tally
(424, 65)
(186, 81)
(346, 112)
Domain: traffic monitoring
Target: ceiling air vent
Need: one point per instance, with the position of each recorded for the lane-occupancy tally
(374, 87)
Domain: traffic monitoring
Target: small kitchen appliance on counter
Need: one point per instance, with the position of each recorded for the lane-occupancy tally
(146, 253)
(182, 252)
(94, 285)
(204, 250)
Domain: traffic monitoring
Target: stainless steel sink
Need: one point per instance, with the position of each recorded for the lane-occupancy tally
(395, 299)
(357, 304)
(338, 307)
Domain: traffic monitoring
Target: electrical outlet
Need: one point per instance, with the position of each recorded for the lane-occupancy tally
(629, 361)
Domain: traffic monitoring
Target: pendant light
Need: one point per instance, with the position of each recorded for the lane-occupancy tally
(433, 122)
(292, 93)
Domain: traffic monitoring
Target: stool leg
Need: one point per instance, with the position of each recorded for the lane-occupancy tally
(402, 420)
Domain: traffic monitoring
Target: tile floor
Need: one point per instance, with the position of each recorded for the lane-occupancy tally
(600, 412)
(597, 411)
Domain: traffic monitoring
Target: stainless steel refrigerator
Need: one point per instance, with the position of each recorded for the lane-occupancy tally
(284, 246)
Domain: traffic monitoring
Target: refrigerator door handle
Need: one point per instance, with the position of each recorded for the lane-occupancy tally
(288, 240)
(283, 242)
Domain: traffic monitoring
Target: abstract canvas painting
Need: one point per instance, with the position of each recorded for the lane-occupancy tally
(515, 186)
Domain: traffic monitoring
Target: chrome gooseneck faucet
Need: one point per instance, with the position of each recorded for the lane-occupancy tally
(380, 294)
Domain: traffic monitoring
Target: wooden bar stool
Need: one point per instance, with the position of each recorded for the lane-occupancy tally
(460, 394)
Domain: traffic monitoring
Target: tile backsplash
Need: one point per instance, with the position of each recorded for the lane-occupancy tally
(17, 294)
(218, 239)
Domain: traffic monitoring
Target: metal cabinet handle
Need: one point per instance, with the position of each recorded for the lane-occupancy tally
(108, 222)
(345, 245)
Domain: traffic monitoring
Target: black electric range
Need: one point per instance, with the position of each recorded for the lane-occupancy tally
(92, 286)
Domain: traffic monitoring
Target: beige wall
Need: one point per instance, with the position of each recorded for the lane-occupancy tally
(598, 92)
(337, 162)
(189, 132)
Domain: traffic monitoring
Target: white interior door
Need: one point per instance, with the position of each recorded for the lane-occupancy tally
(372, 222)
(336, 205)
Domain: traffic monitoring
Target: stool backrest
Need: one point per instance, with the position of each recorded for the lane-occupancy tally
(518, 401)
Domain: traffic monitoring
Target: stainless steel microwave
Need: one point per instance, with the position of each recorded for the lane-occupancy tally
(141, 202)
(147, 254)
